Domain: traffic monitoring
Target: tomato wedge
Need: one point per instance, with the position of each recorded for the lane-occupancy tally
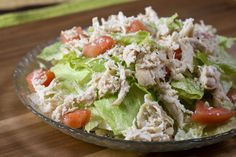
(105, 42)
(178, 54)
(50, 76)
(45, 77)
(72, 34)
(136, 26)
(99, 46)
(211, 115)
(232, 95)
(77, 119)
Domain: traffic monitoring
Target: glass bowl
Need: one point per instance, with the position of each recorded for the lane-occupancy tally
(29, 62)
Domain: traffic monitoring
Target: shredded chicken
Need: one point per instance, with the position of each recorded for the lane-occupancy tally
(49, 106)
(124, 89)
(187, 54)
(205, 38)
(173, 105)
(150, 68)
(187, 30)
(130, 53)
(152, 123)
(210, 80)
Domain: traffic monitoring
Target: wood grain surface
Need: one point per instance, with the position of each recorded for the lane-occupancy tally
(24, 134)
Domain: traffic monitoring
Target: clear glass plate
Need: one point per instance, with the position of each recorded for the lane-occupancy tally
(29, 62)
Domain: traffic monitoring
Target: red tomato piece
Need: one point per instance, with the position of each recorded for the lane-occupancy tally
(46, 77)
(232, 95)
(178, 54)
(99, 46)
(77, 119)
(74, 34)
(211, 115)
(50, 76)
(105, 42)
(136, 26)
(92, 50)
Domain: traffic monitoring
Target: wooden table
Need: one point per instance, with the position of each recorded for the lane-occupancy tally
(23, 134)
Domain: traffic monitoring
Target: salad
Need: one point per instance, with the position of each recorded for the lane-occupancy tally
(141, 78)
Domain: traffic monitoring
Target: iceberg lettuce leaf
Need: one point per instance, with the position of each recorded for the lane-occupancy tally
(225, 42)
(224, 62)
(51, 52)
(190, 131)
(94, 121)
(188, 88)
(65, 72)
(139, 38)
(95, 65)
(173, 23)
(213, 130)
(121, 117)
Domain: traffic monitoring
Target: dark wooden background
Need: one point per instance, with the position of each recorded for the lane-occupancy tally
(23, 134)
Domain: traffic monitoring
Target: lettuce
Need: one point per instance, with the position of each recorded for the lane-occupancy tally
(78, 63)
(94, 121)
(173, 23)
(224, 62)
(121, 117)
(65, 72)
(227, 84)
(188, 88)
(202, 57)
(213, 130)
(138, 38)
(51, 52)
(225, 42)
(190, 131)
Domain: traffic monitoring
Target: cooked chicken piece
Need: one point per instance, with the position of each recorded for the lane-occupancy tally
(173, 105)
(153, 124)
(210, 80)
(187, 30)
(149, 68)
(204, 37)
(187, 54)
(108, 84)
(209, 77)
(130, 53)
(66, 107)
(88, 97)
(124, 87)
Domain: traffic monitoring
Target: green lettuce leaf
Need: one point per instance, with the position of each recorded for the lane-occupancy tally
(188, 88)
(121, 117)
(202, 57)
(213, 130)
(227, 84)
(51, 52)
(224, 62)
(190, 131)
(65, 72)
(94, 121)
(225, 42)
(94, 65)
(138, 38)
(173, 23)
